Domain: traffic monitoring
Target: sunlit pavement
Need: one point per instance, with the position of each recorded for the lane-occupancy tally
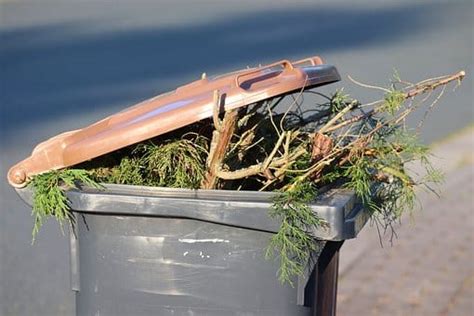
(429, 269)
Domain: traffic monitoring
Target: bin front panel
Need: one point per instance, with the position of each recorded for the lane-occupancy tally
(134, 265)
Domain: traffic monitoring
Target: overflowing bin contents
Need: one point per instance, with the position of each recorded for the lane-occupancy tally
(178, 203)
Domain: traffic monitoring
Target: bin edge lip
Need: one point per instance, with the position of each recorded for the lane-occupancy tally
(26, 193)
(337, 206)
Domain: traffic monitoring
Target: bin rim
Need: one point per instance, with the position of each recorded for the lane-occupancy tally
(327, 197)
(245, 209)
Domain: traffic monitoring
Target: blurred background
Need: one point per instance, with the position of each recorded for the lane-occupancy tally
(65, 64)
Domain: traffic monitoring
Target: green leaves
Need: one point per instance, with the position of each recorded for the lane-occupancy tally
(339, 100)
(294, 243)
(176, 164)
(359, 178)
(49, 198)
(393, 100)
(128, 171)
(379, 176)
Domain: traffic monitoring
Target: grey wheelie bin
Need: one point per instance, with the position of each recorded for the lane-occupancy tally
(155, 251)
(159, 251)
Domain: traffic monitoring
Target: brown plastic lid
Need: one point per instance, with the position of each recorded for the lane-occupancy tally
(187, 104)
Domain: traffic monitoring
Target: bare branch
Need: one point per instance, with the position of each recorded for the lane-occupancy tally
(221, 139)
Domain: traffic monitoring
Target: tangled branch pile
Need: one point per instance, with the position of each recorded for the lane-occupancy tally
(297, 151)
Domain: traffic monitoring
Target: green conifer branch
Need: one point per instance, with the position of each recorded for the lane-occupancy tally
(49, 197)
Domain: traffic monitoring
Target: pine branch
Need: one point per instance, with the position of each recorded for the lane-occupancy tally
(424, 87)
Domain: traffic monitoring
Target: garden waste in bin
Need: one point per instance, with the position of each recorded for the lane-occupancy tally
(139, 250)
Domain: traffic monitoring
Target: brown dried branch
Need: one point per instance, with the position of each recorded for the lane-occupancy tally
(428, 85)
(322, 146)
(221, 138)
(260, 167)
(417, 89)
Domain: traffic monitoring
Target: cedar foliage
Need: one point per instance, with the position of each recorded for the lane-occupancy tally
(49, 198)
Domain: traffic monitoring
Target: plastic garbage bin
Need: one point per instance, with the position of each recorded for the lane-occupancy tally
(157, 251)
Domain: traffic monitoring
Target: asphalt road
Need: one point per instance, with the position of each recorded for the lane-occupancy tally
(65, 64)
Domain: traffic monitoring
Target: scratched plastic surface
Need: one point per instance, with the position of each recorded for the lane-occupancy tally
(167, 266)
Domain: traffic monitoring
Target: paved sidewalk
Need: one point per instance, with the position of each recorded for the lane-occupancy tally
(429, 270)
